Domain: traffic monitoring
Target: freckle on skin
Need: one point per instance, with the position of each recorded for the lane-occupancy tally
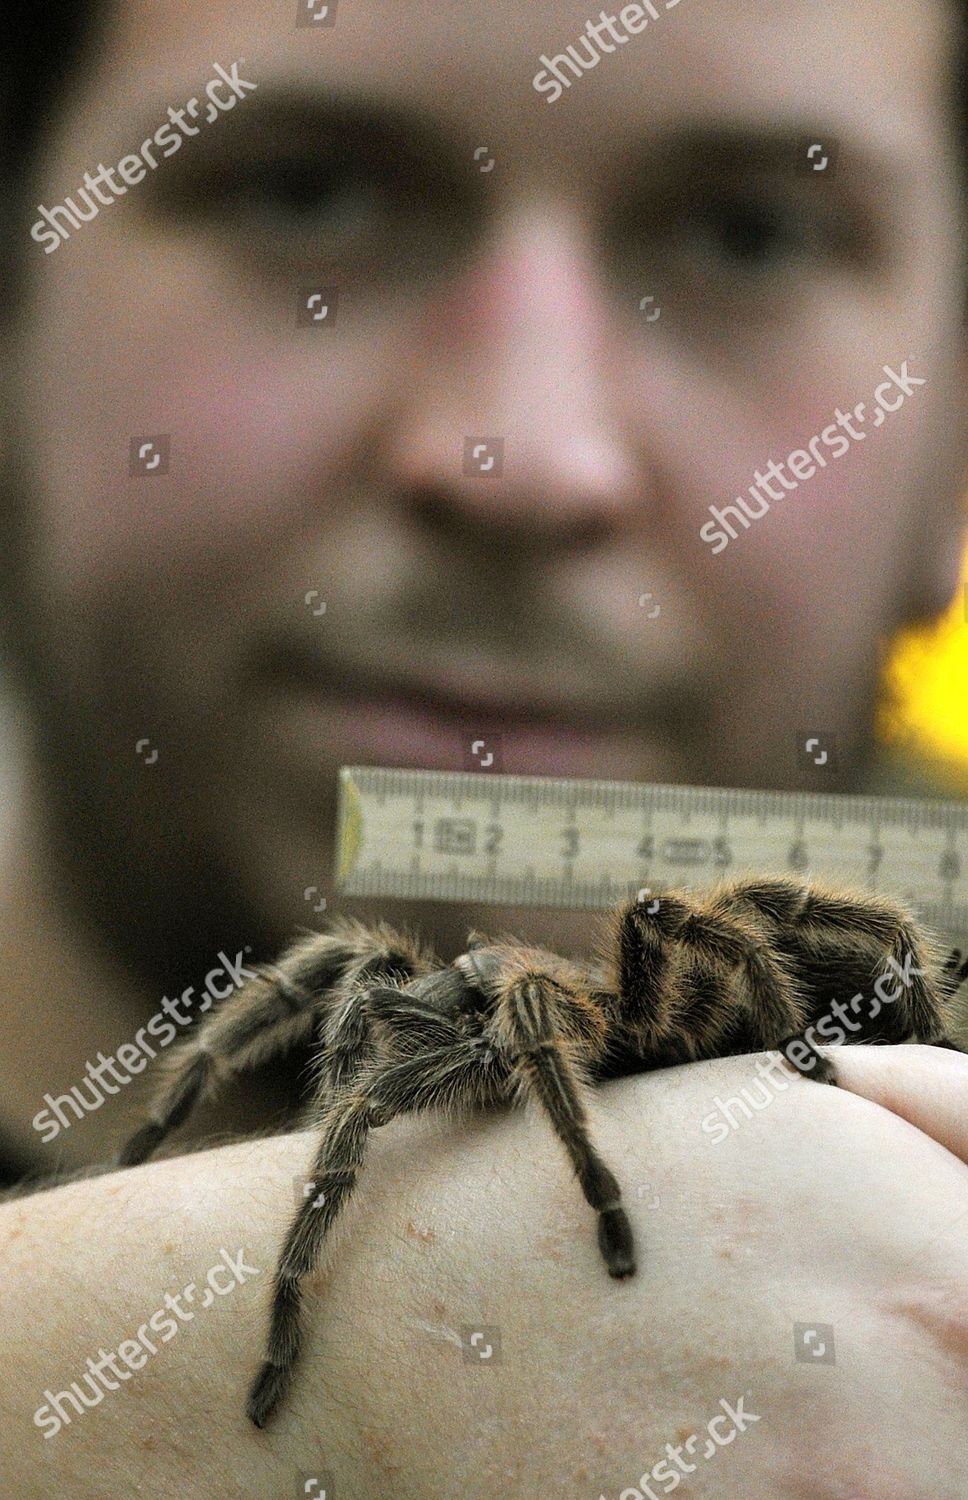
(427, 1236)
(439, 1307)
(379, 1445)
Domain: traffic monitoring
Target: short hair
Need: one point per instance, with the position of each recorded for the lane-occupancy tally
(43, 52)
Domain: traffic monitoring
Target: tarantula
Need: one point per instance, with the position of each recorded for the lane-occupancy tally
(677, 978)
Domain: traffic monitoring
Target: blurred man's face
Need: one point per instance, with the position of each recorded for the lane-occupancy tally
(492, 251)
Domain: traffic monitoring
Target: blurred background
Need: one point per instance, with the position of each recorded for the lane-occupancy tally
(926, 705)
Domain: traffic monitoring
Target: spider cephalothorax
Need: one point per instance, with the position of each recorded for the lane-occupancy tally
(751, 965)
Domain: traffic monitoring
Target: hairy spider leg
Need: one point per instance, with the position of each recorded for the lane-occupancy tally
(706, 943)
(268, 1016)
(425, 1080)
(533, 1018)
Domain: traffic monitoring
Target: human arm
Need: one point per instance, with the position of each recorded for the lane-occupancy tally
(822, 1207)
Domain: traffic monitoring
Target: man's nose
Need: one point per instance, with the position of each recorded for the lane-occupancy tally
(516, 422)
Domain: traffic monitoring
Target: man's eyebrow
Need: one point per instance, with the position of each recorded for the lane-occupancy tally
(428, 143)
(283, 114)
(712, 148)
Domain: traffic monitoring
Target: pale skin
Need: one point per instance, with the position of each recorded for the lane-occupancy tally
(482, 1224)
(628, 433)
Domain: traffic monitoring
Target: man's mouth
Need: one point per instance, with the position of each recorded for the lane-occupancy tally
(412, 716)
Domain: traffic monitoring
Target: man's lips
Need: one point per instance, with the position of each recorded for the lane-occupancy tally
(433, 722)
(492, 694)
(397, 731)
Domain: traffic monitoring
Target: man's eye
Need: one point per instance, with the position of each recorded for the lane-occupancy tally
(747, 233)
(303, 201)
(732, 245)
(372, 219)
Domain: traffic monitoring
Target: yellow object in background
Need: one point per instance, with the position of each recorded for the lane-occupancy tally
(927, 681)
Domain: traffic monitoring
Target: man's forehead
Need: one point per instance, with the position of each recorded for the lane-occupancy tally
(877, 71)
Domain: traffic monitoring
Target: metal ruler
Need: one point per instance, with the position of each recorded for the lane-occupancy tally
(540, 841)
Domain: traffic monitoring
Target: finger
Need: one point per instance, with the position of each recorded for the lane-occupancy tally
(927, 1086)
